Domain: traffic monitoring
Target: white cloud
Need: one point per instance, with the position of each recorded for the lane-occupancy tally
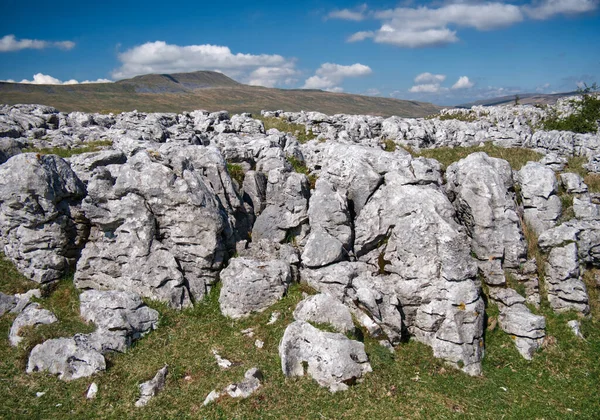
(427, 88)
(9, 43)
(372, 92)
(329, 75)
(356, 15)
(426, 26)
(430, 78)
(549, 8)
(44, 79)
(463, 82)
(160, 57)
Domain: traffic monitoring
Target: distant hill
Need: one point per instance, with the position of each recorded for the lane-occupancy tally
(202, 90)
(524, 99)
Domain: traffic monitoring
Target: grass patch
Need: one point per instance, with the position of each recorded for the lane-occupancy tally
(11, 281)
(300, 167)
(389, 145)
(516, 157)
(90, 146)
(236, 172)
(299, 130)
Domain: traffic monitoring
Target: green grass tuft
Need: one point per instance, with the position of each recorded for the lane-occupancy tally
(90, 146)
(299, 130)
(236, 172)
(516, 157)
(11, 281)
(301, 168)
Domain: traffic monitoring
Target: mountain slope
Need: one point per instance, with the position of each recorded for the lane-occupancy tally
(202, 90)
(524, 99)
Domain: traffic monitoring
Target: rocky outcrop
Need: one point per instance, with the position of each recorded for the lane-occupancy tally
(333, 360)
(250, 285)
(324, 309)
(41, 226)
(541, 203)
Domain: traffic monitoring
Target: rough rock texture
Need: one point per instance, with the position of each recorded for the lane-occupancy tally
(324, 309)
(150, 388)
(247, 387)
(526, 329)
(331, 237)
(67, 358)
(40, 225)
(573, 183)
(539, 189)
(160, 223)
(7, 303)
(334, 361)
(32, 315)
(287, 206)
(121, 318)
(483, 194)
(251, 285)
(408, 234)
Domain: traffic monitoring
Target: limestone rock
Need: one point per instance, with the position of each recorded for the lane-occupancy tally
(37, 220)
(324, 309)
(539, 189)
(334, 361)
(249, 385)
(150, 388)
(573, 183)
(252, 286)
(32, 315)
(66, 358)
(7, 303)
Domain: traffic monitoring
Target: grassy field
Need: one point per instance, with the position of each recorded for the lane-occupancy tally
(561, 382)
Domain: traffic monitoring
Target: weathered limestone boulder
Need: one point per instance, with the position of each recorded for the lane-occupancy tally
(150, 388)
(539, 189)
(570, 247)
(573, 183)
(331, 237)
(243, 389)
(39, 217)
(161, 223)
(333, 360)
(408, 234)
(324, 309)
(482, 191)
(525, 328)
(33, 315)
(9, 148)
(250, 285)
(255, 191)
(287, 206)
(7, 303)
(121, 318)
(66, 358)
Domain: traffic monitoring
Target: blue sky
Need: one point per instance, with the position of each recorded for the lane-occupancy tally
(446, 52)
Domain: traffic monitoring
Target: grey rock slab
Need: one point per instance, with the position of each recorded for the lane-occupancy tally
(121, 318)
(151, 388)
(483, 195)
(248, 386)
(37, 228)
(252, 286)
(566, 290)
(7, 303)
(65, 358)
(539, 189)
(32, 315)
(334, 360)
(324, 309)
(573, 183)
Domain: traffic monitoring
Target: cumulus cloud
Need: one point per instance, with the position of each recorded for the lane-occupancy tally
(160, 57)
(427, 88)
(430, 78)
(44, 79)
(10, 43)
(463, 82)
(427, 26)
(549, 8)
(356, 15)
(329, 75)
